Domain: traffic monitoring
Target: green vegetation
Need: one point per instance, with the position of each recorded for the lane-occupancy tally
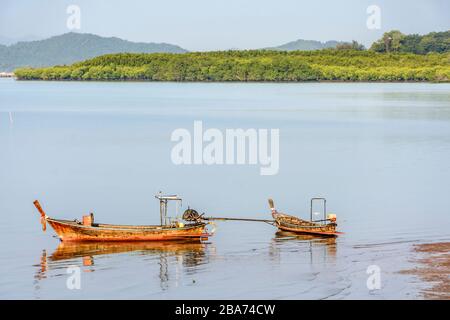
(394, 57)
(254, 65)
(395, 41)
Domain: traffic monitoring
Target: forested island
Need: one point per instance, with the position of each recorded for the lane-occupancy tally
(395, 57)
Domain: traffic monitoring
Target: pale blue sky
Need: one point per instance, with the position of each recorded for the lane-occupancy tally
(224, 24)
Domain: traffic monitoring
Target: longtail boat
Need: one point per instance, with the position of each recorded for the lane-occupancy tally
(88, 230)
(325, 227)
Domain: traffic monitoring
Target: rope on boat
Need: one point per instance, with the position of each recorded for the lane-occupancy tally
(193, 215)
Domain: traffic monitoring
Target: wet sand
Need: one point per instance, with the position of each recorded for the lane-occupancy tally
(433, 269)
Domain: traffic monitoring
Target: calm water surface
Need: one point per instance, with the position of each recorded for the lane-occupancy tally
(379, 153)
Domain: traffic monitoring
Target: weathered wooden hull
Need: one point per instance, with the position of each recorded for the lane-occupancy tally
(293, 224)
(74, 231)
(313, 231)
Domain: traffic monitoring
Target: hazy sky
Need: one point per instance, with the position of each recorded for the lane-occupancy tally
(224, 24)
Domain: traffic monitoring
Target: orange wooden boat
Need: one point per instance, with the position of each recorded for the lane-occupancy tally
(87, 230)
(325, 227)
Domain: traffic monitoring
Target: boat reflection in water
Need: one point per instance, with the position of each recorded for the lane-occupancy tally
(187, 254)
(319, 248)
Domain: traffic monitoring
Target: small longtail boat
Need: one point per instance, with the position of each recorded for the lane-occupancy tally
(325, 227)
(87, 230)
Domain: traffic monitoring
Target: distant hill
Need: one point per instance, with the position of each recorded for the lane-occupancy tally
(72, 47)
(9, 41)
(305, 45)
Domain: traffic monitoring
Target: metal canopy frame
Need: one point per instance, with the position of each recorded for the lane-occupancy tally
(324, 201)
(163, 204)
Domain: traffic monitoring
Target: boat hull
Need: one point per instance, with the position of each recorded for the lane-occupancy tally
(74, 231)
(315, 231)
(289, 223)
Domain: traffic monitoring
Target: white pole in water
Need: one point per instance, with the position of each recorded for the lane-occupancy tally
(10, 118)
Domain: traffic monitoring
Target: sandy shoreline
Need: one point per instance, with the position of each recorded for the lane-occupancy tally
(433, 268)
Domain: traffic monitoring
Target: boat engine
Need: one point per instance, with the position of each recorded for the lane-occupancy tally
(192, 215)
